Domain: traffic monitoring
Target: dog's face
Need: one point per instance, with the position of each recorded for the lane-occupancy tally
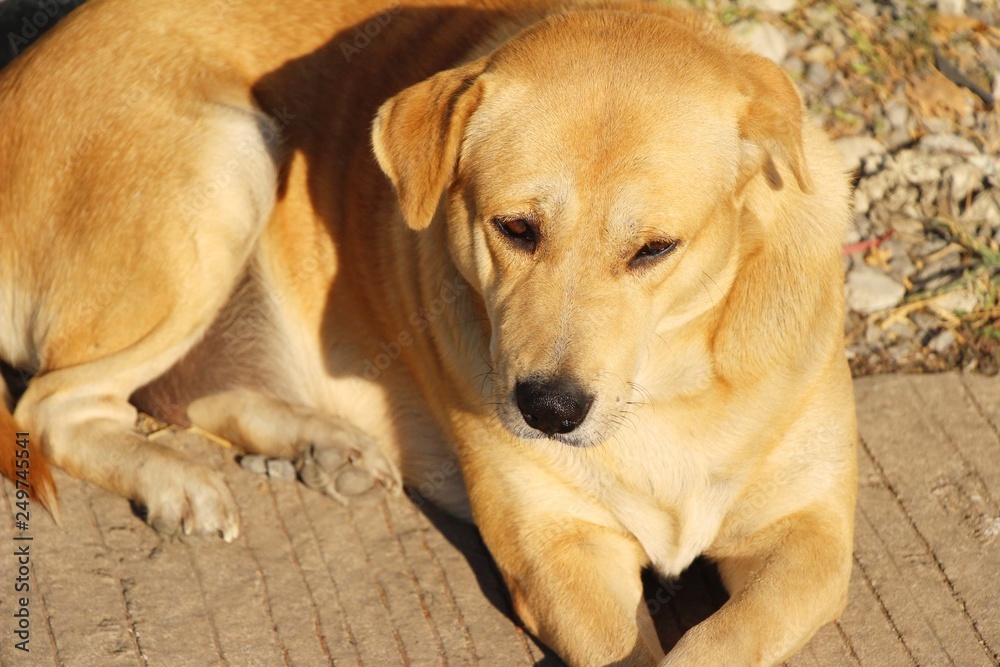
(593, 203)
(590, 221)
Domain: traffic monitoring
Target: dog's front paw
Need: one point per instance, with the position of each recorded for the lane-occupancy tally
(346, 464)
(188, 500)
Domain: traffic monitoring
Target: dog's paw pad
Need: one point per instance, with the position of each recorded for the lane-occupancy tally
(344, 472)
(332, 458)
(353, 482)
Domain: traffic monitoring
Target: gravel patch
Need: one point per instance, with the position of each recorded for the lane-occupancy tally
(907, 89)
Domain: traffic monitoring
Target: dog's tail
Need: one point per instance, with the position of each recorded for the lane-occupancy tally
(21, 461)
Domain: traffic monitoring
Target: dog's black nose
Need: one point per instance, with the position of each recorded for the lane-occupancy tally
(552, 406)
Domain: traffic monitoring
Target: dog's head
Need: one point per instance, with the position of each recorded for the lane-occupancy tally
(592, 172)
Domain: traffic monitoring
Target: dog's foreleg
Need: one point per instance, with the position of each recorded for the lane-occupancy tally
(179, 495)
(331, 454)
(578, 589)
(82, 416)
(791, 581)
(574, 578)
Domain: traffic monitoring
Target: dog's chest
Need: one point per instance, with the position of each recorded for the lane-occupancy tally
(674, 513)
(672, 537)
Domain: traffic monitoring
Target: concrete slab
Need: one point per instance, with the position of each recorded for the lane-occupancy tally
(384, 583)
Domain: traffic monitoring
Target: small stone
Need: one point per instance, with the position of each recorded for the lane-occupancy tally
(909, 208)
(794, 66)
(835, 37)
(965, 179)
(836, 97)
(861, 202)
(898, 114)
(762, 38)
(993, 179)
(940, 273)
(873, 335)
(901, 267)
(941, 342)
(901, 351)
(925, 321)
(280, 469)
(868, 8)
(903, 201)
(818, 75)
(897, 32)
(951, 7)
(897, 139)
(873, 164)
(798, 41)
(902, 224)
(959, 301)
(929, 246)
(904, 329)
(937, 125)
(864, 226)
(985, 210)
(917, 168)
(821, 53)
(948, 143)
(985, 163)
(776, 6)
(877, 185)
(254, 463)
(869, 290)
(147, 424)
(821, 14)
(854, 149)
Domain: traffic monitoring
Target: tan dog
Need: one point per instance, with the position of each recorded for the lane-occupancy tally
(618, 302)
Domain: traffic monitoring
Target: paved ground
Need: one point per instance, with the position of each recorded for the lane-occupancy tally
(312, 583)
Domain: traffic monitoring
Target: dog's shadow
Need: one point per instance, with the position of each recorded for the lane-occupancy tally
(676, 605)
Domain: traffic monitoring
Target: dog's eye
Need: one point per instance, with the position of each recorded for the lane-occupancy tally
(519, 231)
(651, 252)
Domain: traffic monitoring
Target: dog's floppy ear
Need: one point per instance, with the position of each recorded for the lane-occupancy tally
(773, 120)
(417, 136)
